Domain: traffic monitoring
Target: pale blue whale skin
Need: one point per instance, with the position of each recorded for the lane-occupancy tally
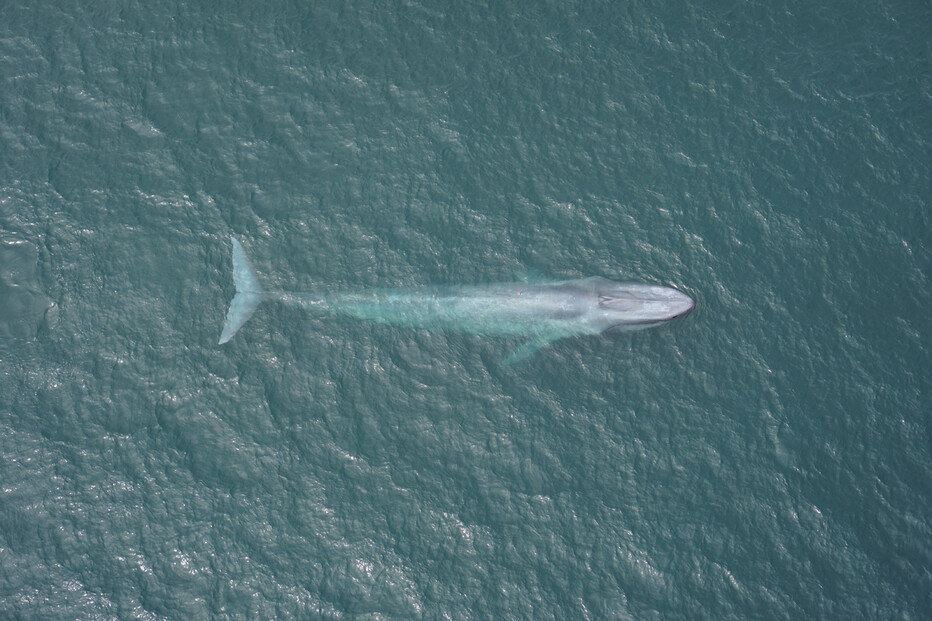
(540, 313)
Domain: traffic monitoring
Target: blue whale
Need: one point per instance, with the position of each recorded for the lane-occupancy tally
(539, 313)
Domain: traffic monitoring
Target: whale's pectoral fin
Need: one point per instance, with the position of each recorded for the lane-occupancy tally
(531, 276)
(525, 351)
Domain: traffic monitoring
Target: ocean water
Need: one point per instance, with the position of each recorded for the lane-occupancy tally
(768, 456)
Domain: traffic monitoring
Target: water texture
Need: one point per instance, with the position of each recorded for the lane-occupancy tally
(768, 456)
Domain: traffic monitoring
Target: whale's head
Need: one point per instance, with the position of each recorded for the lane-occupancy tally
(627, 305)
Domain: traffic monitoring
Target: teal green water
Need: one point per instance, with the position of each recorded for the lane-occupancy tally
(768, 456)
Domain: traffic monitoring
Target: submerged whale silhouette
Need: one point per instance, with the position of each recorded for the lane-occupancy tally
(540, 313)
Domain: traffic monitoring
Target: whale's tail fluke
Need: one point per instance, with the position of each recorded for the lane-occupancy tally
(248, 293)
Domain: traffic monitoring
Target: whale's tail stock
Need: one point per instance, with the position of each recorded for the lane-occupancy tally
(248, 293)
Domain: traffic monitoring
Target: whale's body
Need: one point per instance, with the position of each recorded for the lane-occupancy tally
(539, 313)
